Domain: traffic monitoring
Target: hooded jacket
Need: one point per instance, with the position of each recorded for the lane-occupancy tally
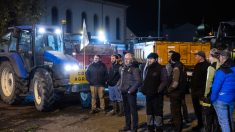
(223, 87)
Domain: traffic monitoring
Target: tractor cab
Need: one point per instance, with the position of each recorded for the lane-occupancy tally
(225, 38)
(32, 42)
(32, 58)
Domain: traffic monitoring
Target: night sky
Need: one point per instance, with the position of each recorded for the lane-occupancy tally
(142, 14)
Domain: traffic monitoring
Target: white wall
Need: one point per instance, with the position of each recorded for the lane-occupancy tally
(91, 7)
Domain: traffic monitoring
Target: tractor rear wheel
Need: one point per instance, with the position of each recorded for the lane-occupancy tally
(43, 90)
(9, 86)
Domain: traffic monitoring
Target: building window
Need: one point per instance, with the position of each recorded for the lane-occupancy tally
(107, 24)
(54, 14)
(96, 23)
(68, 21)
(84, 17)
(118, 29)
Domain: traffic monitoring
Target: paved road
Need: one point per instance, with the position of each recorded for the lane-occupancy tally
(71, 117)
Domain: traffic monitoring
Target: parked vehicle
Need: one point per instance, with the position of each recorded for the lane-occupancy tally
(32, 59)
(186, 50)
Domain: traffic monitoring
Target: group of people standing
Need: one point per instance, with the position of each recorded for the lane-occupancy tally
(123, 80)
(212, 89)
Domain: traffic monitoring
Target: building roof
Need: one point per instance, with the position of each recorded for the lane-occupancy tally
(107, 2)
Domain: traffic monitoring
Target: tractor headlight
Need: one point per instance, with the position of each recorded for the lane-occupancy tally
(41, 30)
(58, 31)
(71, 67)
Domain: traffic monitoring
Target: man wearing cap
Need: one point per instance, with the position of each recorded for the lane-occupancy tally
(210, 120)
(154, 82)
(198, 84)
(223, 91)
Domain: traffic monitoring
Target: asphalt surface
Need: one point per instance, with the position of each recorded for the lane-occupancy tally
(69, 116)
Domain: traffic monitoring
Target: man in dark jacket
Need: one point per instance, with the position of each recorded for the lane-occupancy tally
(114, 93)
(129, 83)
(155, 80)
(97, 75)
(176, 90)
(183, 102)
(198, 83)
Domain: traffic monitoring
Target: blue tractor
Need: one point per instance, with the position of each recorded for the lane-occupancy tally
(32, 60)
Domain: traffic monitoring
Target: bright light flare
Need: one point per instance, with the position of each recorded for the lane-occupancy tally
(58, 31)
(41, 30)
(101, 36)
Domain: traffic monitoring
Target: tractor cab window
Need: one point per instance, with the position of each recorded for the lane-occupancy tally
(4, 42)
(229, 31)
(13, 42)
(53, 42)
(226, 30)
(25, 41)
(48, 41)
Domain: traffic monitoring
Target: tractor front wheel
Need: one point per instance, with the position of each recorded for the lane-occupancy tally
(9, 87)
(43, 90)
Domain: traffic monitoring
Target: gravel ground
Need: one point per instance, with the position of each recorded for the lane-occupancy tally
(69, 116)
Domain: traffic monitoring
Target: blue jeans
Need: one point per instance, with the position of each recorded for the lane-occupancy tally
(130, 109)
(115, 94)
(224, 112)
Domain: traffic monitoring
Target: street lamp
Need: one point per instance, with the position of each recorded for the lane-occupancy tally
(101, 32)
(101, 36)
(159, 17)
(63, 22)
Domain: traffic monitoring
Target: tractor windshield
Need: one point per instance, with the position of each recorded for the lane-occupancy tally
(48, 39)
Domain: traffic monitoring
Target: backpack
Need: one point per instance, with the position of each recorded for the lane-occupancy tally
(183, 82)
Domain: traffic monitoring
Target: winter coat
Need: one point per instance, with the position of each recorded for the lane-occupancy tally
(178, 79)
(155, 80)
(223, 87)
(130, 79)
(210, 76)
(114, 74)
(97, 74)
(198, 81)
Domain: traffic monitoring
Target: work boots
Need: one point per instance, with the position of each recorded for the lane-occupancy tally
(121, 109)
(151, 128)
(114, 110)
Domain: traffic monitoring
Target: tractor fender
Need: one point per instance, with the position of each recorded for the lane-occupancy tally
(16, 62)
(31, 74)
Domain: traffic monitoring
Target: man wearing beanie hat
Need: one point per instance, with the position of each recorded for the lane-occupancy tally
(210, 120)
(176, 90)
(154, 82)
(198, 83)
(175, 57)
